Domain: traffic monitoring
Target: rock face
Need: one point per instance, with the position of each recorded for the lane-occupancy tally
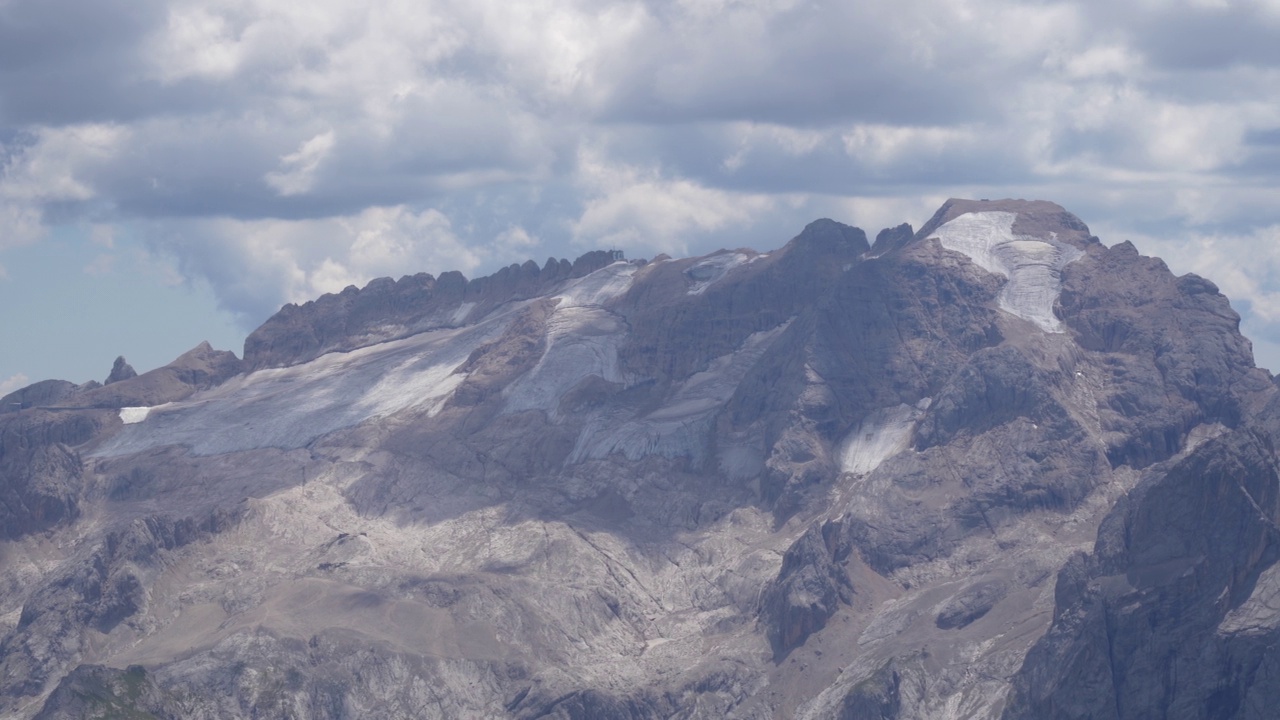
(989, 469)
(120, 370)
(387, 310)
(45, 392)
(1174, 613)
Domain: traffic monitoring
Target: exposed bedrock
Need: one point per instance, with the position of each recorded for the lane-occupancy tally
(876, 698)
(96, 588)
(95, 691)
(810, 587)
(200, 368)
(1174, 613)
(1149, 329)
(673, 334)
(834, 480)
(41, 472)
(120, 370)
(39, 488)
(45, 392)
(387, 309)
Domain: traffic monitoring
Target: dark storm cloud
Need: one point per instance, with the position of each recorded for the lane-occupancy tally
(1182, 38)
(809, 65)
(71, 61)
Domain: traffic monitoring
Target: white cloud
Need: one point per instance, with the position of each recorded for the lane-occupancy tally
(280, 149)
(22, 223)
(1111, 60)
(198, 42)
(753, 137)
(885, 144)
(13, 382)
(50, 168)
(256, 266)
(639, 208)
(103, 236)
(515, 239)
(297, 170)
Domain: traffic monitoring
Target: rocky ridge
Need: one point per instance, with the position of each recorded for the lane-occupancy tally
(960, 472)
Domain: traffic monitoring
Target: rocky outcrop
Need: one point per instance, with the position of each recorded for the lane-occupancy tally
(120, 370)
(97, 692)
(809, 589)
(387, 309)
(39, 488)
(971, 605)
(876, 698)
(834, 480)
(674, 333)
(41, 472)
(45, 392)
(200, 368)
(96, 589)
(1148, 328)
(1173, 614)
(891, 239)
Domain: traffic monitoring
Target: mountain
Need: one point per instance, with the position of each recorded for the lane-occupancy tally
(990, 469)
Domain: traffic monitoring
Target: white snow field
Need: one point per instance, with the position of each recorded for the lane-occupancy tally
(1033, 266)
(131, 415)
(582, 340)
(707, 272)
(600, 286)
(289, 407)
(881, 435)
(679, 427)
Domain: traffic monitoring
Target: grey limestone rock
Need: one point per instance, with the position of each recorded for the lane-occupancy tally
(989, 469)
(45, 392)
(387, 309)
(200, 368)
(810, 587)
(1157, 621)
(120, 370)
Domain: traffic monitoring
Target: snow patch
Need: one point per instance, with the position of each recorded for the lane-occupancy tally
(460, 315)
(881, 435)
(1033, 266)
(581, 341)
(705, 273)
(680, 426)
(131, 415)
(599, 287)
(289, 407)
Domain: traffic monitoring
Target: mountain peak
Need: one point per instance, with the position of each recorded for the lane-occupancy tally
(823, 481)
(825, 235)
(1029, 242)
(1039, 219)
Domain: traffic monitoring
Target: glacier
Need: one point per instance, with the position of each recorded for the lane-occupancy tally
(1033, 266)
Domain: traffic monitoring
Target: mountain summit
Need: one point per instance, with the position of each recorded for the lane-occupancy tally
(990, 469)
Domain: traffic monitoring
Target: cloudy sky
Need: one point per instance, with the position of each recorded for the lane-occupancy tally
(175, 170)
